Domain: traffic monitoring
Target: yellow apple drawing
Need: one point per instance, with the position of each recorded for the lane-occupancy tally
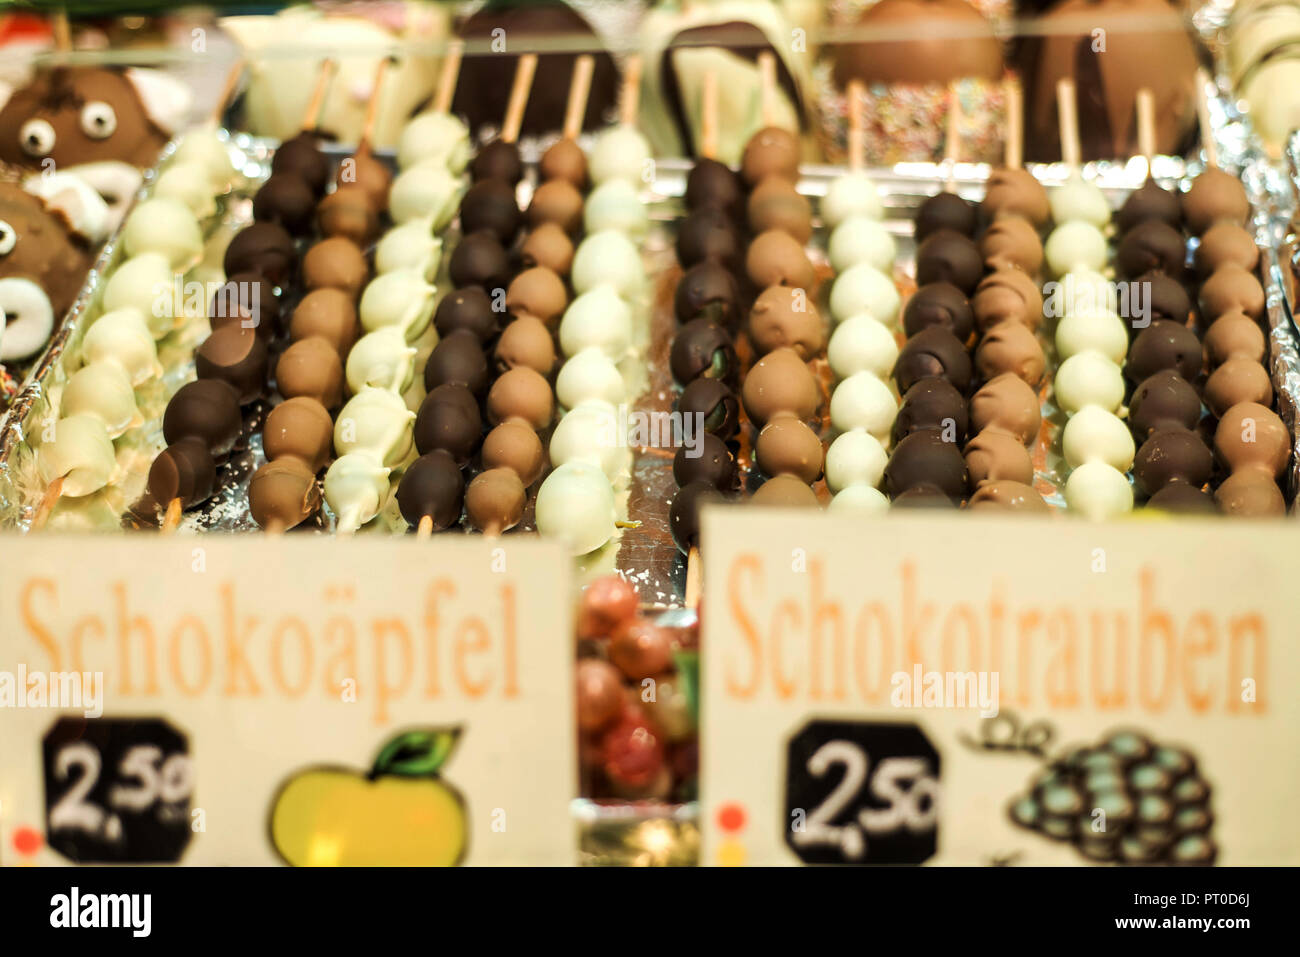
(401, 814)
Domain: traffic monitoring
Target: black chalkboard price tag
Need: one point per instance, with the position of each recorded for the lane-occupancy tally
(861, 793)
(117, 790)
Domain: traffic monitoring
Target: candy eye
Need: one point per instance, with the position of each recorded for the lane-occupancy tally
(36, 137)
(98, 121)
(8, 238)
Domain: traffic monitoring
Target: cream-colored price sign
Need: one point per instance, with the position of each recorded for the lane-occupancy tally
(966, 689)
(254, 700)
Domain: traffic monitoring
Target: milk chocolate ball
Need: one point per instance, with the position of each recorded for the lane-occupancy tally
(708, 235)
(1008, 496)
(498, 160)
(1015, 192)
(537, 292)
(1235, 381)
(776, 204)
(1250, 494)
(262, 248)
(787, 446)
(1250, 436)
(710, 462)
(1223, 243)
(785, 316)
(236, 356)
(923, 460)
(776, 258)
(299, 428)
(515, 446)
(556, 201)
(347, 212)
(707, 290)
(1151, 246)
(521, 393)
(771, 151)
(1215, 196)
(939, 304)
(1234, 335)
(335, 263)
(1231, 288)
(527, 343)
(1011, 242)
(207, 409)
(994, 455)
(947, 256)
(479, 260)
(457, 358)
(933, 351)
(449, 419)
(550, 246)
(1010, 347)
(1007, 295)
(944, 211)
(490, 205)
(283, 494)
(434, 488)
(368, 173)
(286, 199)
(469, 309)
(784, 491)
(714, 185)
(780, 382)
(702, 348)
(311, 367)
(1164, 345)
(932, 404)
(1164, 400)
(183, 470)
(565, 160)
(712, 405)
(328, 313)
(495, 501)
(1008, 405)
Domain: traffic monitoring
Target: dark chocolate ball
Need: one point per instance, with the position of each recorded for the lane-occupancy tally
(948, 256)
(490, 204)
(710, 291)
(1164, 345)
(717, 406)
(934, 351)
(702, 348)
(923, 496)
(708, 234)
(263, 248)
(714, 185)
(684, 513)
(1172, 456)
(1166, 296)
(206, 409)
(708, 461)
(236, 356)
(183, 470)
(932, 404)
(945, 211)
(1163, 401)
(479, 260)
(245, 299)
(1149, 202)
(288, 200)
(433, 486)
(498, 160)
(301, 156)
(1151, 246)
(1184, 500)
(923, 460)
(449, 419)
(939, 304)
(457, 358)
(469, 309)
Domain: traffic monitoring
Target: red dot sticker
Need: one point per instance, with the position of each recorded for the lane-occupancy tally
(731, 818)
(27, 840)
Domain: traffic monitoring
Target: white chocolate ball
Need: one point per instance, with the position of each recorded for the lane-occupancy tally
(614, 204)
(589, 433)
(1075, 245)
(399, 298)
(426, 191)
(575, 505)
(381, 359)
(81, 452)
(435, 137)
(410, 246)
(853, 194)
(1096, 491)
(860, 500)
(122, 336)
(356, 486)
(167, 226)
(862, 240)
(144, 282)
(104, 390)
(855, 458)
(375, 422)
(1079, 200)
(1089, 378)
(608, 258)
(620, 152)
(1098, 331)
(205, 147)
(589, 375)
(1095, 435)
(862, 401)
(1079, 290)
(598, 319)
(190, 184)
(861, 344)
(865, 289)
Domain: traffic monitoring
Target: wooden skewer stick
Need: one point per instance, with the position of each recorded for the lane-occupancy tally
(1015, 147)
(952, 141)
(48, 501)
(172, 518)
(519, 91)
(709, 117)
(372, 107)
(448, 77)
(857, 145)
(425, 528)
(317, 100)
(62, 32)
(1203, 116)
(694, 578)
(1146, 125)
(1067, 109)
(579, 90)
(767, 87)
(630, 96)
